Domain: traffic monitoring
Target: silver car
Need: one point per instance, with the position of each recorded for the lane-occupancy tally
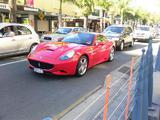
(60, 33)
(17, 38)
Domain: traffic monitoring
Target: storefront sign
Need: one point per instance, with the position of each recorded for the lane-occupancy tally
(31, 9)
(41, 15)
(4, 6)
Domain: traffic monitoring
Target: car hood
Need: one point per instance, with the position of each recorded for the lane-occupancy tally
(54, 50)
(141, 32)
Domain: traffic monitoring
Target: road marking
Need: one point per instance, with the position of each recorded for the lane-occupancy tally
(9, 63)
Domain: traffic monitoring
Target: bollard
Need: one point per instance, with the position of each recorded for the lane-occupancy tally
(150, 75)
(108, 84)
(157, 65)
(129, 89)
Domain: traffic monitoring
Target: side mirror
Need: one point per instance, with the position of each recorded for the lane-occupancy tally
(1, 35)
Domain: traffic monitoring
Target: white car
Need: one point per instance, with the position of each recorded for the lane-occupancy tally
(17, 38)
(143, 33)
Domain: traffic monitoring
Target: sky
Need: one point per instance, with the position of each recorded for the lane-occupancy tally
(149, 5)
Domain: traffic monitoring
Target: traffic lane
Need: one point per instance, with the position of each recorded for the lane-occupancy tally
(28, 96)
(4, 60)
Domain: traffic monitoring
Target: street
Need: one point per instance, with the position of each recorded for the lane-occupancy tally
(25, 95)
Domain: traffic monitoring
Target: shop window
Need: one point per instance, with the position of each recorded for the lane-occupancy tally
(23, 30)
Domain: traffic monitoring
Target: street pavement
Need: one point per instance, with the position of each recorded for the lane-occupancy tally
(25, 95)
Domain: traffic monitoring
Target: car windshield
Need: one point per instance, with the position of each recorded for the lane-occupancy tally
(81, 38)
(112, 29)
(143, 28)
(64, 30)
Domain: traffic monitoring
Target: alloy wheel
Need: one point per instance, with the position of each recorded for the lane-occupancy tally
(111, 57)
(82, 66)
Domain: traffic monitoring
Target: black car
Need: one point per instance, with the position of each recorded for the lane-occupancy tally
(121, 34)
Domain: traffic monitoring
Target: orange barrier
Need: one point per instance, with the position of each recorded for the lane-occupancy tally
(129, 89)
(108, 83)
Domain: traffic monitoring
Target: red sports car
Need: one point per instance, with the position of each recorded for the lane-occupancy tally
(73, 56)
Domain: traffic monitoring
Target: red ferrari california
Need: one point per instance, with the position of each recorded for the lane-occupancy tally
(73, 56)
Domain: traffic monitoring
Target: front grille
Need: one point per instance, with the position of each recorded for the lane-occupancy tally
(47, 38)
(41, 65)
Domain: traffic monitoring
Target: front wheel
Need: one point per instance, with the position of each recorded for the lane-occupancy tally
(131, 44)
(121, 47)
(111, 55)
(32, 46)
(82, 66)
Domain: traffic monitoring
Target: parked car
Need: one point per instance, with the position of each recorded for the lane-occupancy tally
(74, 55)
(143, 33)
(60, 33)
(120, 34)
(17, 38)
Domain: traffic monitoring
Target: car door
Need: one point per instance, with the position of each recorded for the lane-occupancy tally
(127, 35)
(8, 44)
(100, 48)
(130, 34)
(24, 38)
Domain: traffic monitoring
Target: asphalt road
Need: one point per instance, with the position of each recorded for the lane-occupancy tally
(25, 95)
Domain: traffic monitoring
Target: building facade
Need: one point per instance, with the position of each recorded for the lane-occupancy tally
(43, 15)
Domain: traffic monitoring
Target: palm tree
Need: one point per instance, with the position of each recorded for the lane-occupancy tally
(123, 6)
(86, 7)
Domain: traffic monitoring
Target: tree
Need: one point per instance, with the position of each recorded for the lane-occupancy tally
(13, 9)
(86, 7)
(123, 6)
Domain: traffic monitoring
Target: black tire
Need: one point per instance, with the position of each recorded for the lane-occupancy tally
(32, 46)
(112, 53)
(121, 46)
(131, 44)
(82, 66)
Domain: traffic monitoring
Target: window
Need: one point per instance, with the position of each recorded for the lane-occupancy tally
(114, 29)
(128, 30)
(76, 30)
(23, 30)
(64, 30)
(80, 38)
(7, 31)
(101, 38)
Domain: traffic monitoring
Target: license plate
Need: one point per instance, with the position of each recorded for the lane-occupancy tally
(37, 70)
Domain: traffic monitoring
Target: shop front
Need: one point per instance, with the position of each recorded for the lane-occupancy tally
(4, 12)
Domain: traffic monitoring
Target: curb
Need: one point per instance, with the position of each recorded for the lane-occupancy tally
(79, 101)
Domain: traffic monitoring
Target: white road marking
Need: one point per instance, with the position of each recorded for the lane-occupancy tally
(9, 63)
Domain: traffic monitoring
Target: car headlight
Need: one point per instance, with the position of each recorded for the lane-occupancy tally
(68, 55)
(33, 49)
